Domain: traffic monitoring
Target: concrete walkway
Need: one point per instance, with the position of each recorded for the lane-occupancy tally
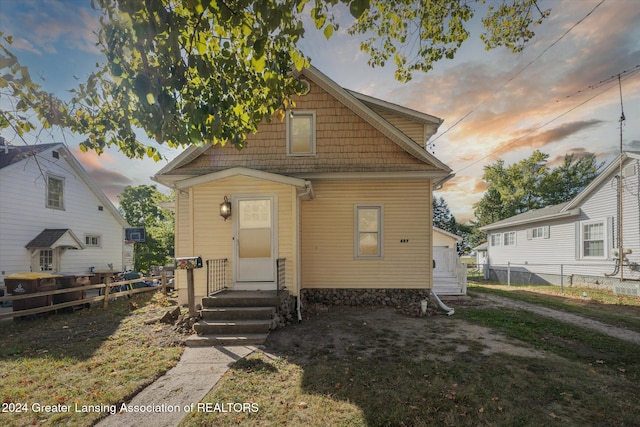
(164, 401)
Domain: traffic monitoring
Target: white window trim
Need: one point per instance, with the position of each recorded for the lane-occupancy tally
(59, 178)
(542, 232)
(293, 113)
(92, 236)
(537, 233)
(504, 236)
(497, 236)
(48, 255)
(356, 234)
(605, 238)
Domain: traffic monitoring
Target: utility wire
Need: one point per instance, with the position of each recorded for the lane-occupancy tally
(603, 82)
(539, 127)
(517, 74)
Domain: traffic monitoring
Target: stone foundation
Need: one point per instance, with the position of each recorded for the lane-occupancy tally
(285, 312)
(404, 300)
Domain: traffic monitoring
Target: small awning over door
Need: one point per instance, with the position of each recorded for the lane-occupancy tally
(52, 238)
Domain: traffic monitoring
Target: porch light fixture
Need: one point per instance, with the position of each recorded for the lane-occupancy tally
(225, 208)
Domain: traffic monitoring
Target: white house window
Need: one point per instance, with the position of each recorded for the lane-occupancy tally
(593, 239)
(368, 227)
(46, 260)
(509, 238)
(538, 233)
(496, 239)
(55, 192)
(301, 133)
(92, 241)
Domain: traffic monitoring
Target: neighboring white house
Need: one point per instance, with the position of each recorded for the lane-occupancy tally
(575, 242)
(449, 274)
(481, 257)
(53, 217)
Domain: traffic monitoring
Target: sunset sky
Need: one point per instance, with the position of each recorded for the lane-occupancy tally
(557, 96)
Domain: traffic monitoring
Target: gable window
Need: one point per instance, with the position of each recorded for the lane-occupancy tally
(496, 239)
(92, 241)
(368, 227)
(593, 239)
(509, 238)
(55, 192)
(301, 133)
(46, 259)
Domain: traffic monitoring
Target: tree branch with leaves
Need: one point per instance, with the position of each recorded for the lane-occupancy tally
(209, 71)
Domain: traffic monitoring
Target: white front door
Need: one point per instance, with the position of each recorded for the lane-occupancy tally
(255, 241)
(443, 257)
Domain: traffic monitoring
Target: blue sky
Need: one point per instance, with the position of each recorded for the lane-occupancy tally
(549, 97)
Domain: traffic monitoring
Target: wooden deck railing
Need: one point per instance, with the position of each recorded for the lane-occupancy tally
(106, 291)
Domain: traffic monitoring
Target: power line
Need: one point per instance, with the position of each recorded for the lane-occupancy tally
(604, 82)
(543, 125)
(518, 73)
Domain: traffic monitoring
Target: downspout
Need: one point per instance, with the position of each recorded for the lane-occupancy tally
(308, 192)
(450, 311)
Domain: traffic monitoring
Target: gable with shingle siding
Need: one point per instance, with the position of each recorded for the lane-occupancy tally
(345, 142)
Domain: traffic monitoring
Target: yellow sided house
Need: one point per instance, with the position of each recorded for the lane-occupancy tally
(332, 205)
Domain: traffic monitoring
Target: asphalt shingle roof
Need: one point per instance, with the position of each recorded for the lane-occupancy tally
(47, 238)
(15, 153)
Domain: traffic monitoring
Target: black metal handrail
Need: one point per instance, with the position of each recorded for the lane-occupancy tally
(216, 275)
(281, 278)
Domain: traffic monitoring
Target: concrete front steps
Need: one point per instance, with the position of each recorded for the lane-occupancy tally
(236, 318)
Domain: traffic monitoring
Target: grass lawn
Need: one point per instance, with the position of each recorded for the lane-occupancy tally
(599, 304)
(482, 366)
(90, 357)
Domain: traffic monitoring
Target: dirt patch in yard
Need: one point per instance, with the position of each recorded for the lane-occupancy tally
(372, 331)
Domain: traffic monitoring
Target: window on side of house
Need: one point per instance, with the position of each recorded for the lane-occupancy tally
(92, 241)
(301, 133)
(538, 233)
(368, 231)
(509, 238)
(55, 192)
(496, 239)
(46, 259)
(593, 239)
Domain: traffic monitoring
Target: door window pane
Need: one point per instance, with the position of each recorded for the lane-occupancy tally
(254, 232)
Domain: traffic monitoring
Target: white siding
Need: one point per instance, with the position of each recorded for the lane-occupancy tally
(23, 215)
(545, 255)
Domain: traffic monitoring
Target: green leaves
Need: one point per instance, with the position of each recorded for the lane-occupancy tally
(206, 72)
(510, 24)
(532, 184)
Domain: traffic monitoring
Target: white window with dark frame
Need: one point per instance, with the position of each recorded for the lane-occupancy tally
(509, 238)
(301, 133)
(496, 239)
(593, 239)
(55, 192)
(92, 241)
(368, 231)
